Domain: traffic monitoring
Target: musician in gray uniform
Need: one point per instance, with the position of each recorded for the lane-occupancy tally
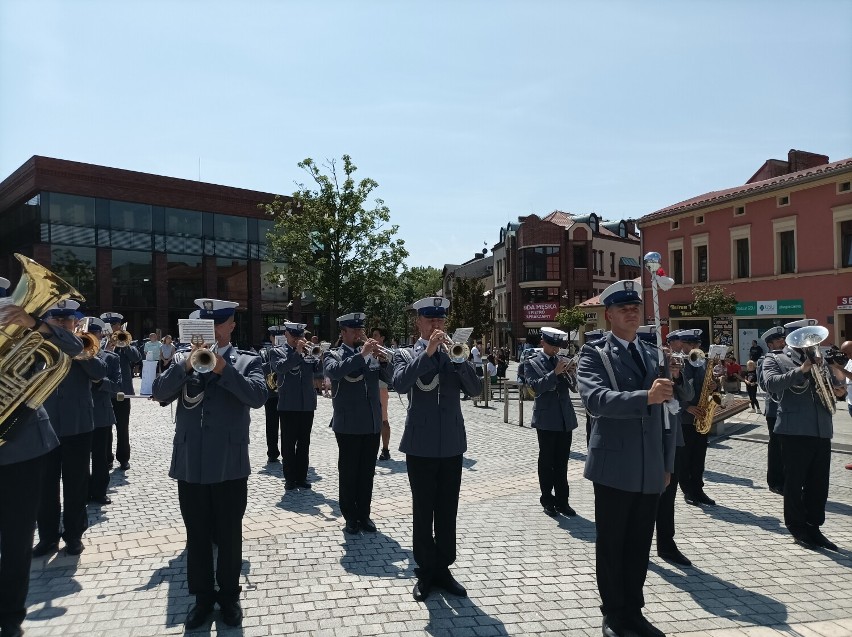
(589, 336)
(71, 411)
(552, 379)
(210, 460)
(24, 450)
(129, 357)
(805, 426)
(297, 402)
(355, 369)
(630, 457)
(434, 441)
(683, 391)
(273, 422)
(103, 391)
(695, 444)
(774, 339)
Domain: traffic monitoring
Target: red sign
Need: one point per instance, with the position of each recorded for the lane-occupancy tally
(844, 302)
(546, 311)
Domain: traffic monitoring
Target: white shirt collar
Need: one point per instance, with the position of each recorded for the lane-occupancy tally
(626, 343)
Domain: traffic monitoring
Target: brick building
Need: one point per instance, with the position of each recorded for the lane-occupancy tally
(781, 243)
(145, 245)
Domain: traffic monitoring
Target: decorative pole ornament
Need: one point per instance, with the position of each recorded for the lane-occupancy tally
(653, 263)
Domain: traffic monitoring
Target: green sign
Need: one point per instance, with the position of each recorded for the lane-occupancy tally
(780, 307)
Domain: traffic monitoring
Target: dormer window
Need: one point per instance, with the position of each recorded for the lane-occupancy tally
(593, 222)
(622, 230)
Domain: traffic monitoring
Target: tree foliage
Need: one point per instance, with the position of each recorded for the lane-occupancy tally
(391, 309)
(570, 318)
(330, 243)
(470, 307)
(713, 300)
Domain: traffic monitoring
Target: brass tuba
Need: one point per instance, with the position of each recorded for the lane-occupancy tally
(21, 393)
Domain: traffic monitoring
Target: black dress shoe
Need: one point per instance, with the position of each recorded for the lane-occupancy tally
(703, 498)
(74, 547)
(550, 509)
(232, 612)
(124, 466)
(612, 627)
(642, 626)
(101, 500)
(10, 630)
(690, 499)
(385, 455)
(289, 485)
(367, 525)
(351, 527)
(777, 490)
(451, 585)
(805, 540)
(820, 540)
(198, 615)
(675, 556)
(271, 460)
(305, 484)
(44, 548)
(565, 509)
(421, 591)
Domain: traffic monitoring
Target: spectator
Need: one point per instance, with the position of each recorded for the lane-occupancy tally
(502, 365)
(167, 352)
(751, 385)
(152, 347)
(476, 356)
(755, 351)
(732, 374)
(719, 375)
(492, 369)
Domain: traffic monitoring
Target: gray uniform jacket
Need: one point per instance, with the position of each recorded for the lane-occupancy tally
(800, 412)
(104, 391)
(128, 356)
(295, 379)
(212, 435)
(628, 448)
(355, 391)
(70, 407)
(553, 410)
(434, 426)
(770, 406)
(34, 437)
(267, 368)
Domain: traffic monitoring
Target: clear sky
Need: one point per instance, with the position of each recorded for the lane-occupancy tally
(468, 114)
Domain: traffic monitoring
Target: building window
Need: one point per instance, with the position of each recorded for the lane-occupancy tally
(846, 244)
(71, 210)
(132, 279)
(701, 264)
(186, 223)
(232, 280)
(133, 217)
(783, 200)
(611, 264)
(739, 211)
(581, 257)
(844, 186)
(540, 263)
(539, 295)
(185, 275)
(677, 266)
(622, 230)
(75, 265)
(699, 220)
(741, 248)
(229, 228)
(787, 251)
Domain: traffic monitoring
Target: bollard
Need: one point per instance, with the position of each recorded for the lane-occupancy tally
(505, 394)
(521, 406)
(486, 385)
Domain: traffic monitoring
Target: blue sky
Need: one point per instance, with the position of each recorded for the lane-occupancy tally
(468, 114)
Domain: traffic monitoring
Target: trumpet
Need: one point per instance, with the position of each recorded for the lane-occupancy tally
(458, 352)
(312, 350)
(203, 360)
(91, 345)
(121, 338)
(696, 357)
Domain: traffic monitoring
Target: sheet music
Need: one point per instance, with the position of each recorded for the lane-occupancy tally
(187, 328)
(462, 334)
(718, 350)
(280, 340)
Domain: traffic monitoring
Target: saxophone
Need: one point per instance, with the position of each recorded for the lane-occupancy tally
(709, 398)
(21, 349)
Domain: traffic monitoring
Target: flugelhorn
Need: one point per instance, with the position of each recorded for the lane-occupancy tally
(808, 339)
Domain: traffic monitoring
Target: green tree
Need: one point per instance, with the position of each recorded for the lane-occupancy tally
(470, 307)
(391, 309)
(713, 300)
(570, 318)
(331, 245)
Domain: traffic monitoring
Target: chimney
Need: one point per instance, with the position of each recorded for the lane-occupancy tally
(802, 160)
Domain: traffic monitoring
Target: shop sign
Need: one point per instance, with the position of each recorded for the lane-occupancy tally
(844, 302)
(746, 308)
(791, 306)
(533, 331)
(771, 308)
(546, 311)
(591, 317)
(682, 310)
(650, 320)
(723, 330)
(767, 307)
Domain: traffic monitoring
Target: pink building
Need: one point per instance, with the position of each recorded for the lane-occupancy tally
(781, 244)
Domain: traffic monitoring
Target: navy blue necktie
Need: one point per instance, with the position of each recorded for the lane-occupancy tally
(637, 358)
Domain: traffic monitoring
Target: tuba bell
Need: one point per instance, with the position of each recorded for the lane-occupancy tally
(21, 349)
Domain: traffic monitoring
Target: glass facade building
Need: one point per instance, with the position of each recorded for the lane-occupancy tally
(144, 245)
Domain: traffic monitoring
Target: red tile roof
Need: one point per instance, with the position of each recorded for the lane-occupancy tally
(719, 196)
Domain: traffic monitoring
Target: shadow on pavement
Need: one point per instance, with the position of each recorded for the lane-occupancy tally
(449, 615)
(467, 463)
(724, 599)
(61, 585)
(309, 502)
(578, 526)
(736, 516)
(375, 555)
(173, 574)
(391, 466)
(724, 478)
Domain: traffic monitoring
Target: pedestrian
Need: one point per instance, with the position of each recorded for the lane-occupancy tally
(210, 461)
(167, 352)
(750, 379)
(755, 351)
(152, 347)
(433, 442)
(27, 448)
(355, 369)
(630, 457)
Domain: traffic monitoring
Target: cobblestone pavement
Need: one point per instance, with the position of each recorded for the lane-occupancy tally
(527, 574)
